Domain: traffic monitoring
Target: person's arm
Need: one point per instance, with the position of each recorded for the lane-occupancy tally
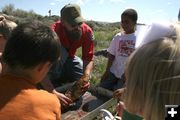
(47, 85)
(125, 114)
(87, 67)
(88, 52)
(65, 101)
(109, 64)
(111, 56)
(119, 93)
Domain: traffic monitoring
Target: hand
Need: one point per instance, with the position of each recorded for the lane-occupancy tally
(118, 93)
(85, 87)
(120, 108)
(86, 84)
(0, 54)
(65, 101)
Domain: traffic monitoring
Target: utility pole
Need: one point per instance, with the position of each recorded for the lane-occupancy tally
(49, 13)
(179, 15)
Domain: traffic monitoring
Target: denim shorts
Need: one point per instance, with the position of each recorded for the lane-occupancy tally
(112, 82)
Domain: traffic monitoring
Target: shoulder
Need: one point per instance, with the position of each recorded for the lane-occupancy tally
(117, 36)
(45, 94)
(85, 27)
(87, 32)
(56, 24)
(40, 102)
(42, 97)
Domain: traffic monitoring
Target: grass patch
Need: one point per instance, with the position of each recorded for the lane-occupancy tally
(102, 41)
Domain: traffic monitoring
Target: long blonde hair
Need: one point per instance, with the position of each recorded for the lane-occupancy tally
(153, 77)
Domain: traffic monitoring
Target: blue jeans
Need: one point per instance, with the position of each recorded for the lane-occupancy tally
(112, 82)
(66, 69)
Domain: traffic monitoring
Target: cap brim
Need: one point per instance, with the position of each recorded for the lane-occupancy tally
(77, 20)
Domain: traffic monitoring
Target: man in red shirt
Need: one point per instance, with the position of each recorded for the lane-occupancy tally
(73, 34)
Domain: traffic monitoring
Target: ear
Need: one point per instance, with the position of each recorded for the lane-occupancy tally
(41, 70)
(43, 66)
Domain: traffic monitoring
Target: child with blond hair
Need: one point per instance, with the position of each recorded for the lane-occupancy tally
(153, 78)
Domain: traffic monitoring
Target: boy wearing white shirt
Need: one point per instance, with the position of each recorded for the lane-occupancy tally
(122, 45)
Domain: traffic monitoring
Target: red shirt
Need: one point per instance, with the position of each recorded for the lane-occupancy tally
(86, 40)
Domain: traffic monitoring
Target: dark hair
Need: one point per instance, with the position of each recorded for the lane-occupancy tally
(31, 43)
(131, 13)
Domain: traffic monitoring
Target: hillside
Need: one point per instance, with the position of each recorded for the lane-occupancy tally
(19, 15)
(103, 32)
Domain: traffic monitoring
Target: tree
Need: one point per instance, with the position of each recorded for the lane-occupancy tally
(8, 9)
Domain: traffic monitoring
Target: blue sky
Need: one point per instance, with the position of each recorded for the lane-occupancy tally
(105, 10)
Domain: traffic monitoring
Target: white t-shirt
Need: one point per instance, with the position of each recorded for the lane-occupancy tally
(121, 47)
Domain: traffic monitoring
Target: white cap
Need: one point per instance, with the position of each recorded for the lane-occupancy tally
(154, 31)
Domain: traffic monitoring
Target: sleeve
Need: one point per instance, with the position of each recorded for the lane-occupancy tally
(129, 116)
(57, 108)
(53, 26)
(88, 46)
(112, 46)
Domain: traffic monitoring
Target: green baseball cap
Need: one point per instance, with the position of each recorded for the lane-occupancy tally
(72, 14)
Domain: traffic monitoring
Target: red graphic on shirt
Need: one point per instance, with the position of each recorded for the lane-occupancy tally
(126, 47)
